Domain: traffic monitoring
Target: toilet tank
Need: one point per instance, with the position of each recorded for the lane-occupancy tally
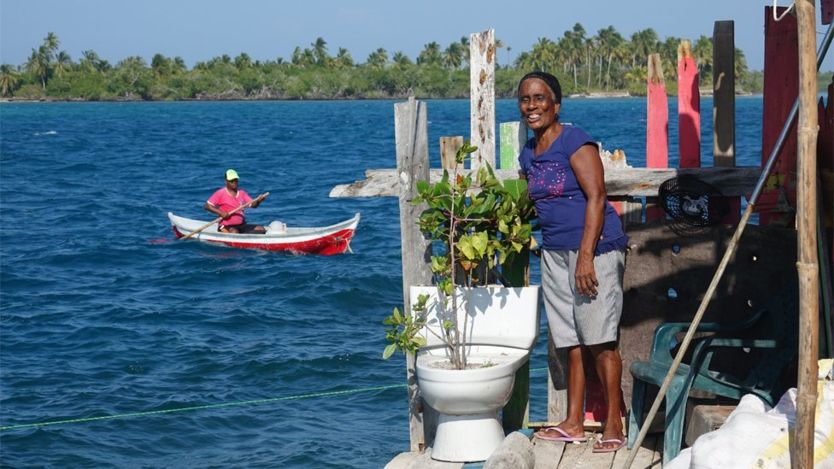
(491, 315)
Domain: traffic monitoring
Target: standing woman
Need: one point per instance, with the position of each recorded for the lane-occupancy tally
(583, 254)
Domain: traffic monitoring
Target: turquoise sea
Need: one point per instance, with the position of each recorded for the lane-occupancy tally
(275, 359)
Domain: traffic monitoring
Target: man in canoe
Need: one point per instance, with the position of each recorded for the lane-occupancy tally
(226, 203)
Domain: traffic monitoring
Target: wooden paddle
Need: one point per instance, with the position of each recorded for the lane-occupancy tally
(247, 204)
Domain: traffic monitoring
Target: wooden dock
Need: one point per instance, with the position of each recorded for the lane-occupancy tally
(551, 455)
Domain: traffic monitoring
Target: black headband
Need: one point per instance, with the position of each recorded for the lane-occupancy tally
(548, 79)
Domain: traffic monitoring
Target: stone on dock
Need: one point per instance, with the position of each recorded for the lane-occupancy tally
(515, 452)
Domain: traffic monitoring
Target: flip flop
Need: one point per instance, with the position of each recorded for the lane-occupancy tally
(620, 444)
(547, 434)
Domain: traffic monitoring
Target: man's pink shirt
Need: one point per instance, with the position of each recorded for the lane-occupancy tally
(225, 202)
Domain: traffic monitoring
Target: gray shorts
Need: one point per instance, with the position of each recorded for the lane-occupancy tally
(576, 319)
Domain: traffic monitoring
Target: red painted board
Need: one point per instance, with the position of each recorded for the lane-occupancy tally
(689, 114)
(826, 11)
(657, 136)
(657, 127)
(781, 87)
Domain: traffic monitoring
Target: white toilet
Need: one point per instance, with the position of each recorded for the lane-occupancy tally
(501, 329)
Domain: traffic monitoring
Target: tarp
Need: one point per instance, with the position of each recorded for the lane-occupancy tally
(756, 436)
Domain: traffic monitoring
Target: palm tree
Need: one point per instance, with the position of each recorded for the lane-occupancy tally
(464, 43)
(63, 63)
(343, 58)
(610, 41)
(320, 51)
(430, 55)
(90, 62)
(38, 65)
(400, 59)
(453, 56)
(9, 80)
(740, 65)
(702, 50)
(644, 43)
(377, 58)
(243, 61)
(178, 65)
(160, 66)
(542, 54)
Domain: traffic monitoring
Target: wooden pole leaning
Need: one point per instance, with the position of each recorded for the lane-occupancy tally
(806, 218)
(216, 220)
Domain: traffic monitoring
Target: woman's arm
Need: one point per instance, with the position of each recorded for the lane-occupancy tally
(590, 175)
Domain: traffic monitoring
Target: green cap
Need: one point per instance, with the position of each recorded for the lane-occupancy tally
(231, 174)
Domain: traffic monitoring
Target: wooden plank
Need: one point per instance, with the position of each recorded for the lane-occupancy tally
(781, 87)
(547, 453)
(591, 460)
(411, 136)
(449, 147)
(647, 455)
(657, 124)
(482, 97)
(513, 138)
(689, 108)
(621, 182)
(724, 104)
(573, 454)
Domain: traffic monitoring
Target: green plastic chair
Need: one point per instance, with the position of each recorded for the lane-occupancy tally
(779, 326)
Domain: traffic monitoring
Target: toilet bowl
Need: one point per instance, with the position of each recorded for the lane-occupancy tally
(501, 327)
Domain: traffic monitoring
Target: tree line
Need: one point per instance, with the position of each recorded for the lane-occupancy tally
(606, 61)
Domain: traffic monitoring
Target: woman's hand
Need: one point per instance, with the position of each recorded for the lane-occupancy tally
(585, 276)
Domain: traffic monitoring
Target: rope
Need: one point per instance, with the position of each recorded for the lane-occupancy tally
(199, 407)
(24, 426)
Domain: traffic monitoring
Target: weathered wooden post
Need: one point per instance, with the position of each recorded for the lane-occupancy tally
(482, 97)
(411, 139)
(724, 104)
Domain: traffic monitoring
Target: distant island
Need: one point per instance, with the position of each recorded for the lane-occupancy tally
(586, 65)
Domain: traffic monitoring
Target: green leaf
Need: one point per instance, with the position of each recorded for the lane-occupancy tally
(479, 243)
(397, 315)
(389, 350)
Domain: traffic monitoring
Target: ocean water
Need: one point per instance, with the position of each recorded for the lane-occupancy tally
(276, 358)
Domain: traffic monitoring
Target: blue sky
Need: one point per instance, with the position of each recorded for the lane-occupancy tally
(198, 30)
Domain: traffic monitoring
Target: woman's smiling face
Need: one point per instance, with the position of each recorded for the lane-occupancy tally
(537, 105)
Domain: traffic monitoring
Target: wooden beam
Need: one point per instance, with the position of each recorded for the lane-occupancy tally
(724, 104)
(482, 97)
(625, 182)
(689, 108)
(412, 165)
